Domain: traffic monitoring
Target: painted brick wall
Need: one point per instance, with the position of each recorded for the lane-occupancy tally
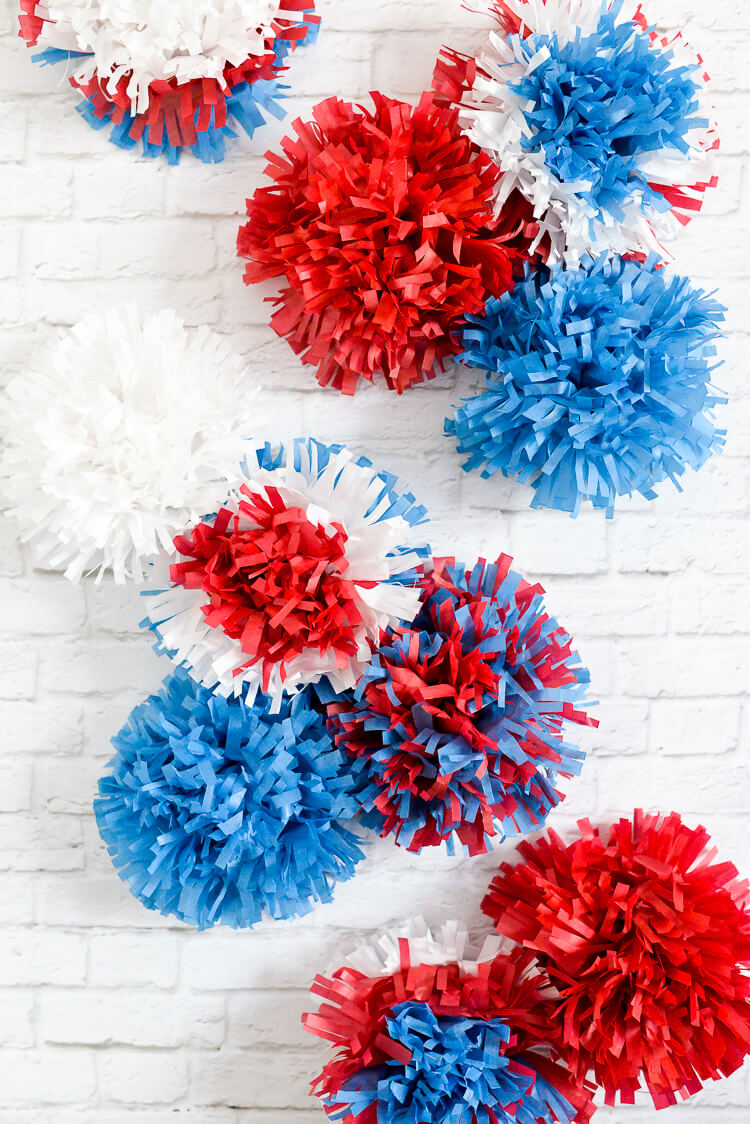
(112, 1015)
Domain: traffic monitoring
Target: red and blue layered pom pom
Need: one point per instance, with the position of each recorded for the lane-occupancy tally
(598, 383)
(647, 942)
(304, 565)
(455, 728)
(172, 77)
(380, 223)
(218, 811)
(428, 1030)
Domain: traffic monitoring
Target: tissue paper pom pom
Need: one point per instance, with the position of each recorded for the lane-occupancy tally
(172, 75)
(295, 576)
(598, 121)
(598, 383)
(216, 810)
(380, 222)
(647, 941)
(456, 725)
(410, 1012)
(127, 429)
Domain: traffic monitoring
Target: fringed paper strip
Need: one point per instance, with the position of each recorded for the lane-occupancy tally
(302, 567)
(455, 728)
(599, 122)
(598, 383)
(218, 811)
(647, 942)
(172, 76)
(379, 221)
(126, 430)
(428, 1029)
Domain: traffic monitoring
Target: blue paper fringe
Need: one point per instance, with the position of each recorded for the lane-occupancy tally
(216, 811)
(250, 105)
(458, 1074)
(599, 102)
(598, 383)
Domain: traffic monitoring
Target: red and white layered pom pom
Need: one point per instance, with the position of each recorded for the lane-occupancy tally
(303, 566)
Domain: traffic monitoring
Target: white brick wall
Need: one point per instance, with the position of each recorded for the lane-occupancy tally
(109, 1014)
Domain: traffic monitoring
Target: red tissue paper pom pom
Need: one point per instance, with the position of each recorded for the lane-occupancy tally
(454, 981)
(647, 941)
(381, 222)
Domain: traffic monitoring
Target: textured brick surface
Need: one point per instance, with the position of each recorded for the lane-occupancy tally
(112, 1015)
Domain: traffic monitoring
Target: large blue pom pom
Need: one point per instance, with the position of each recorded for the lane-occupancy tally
(460, 1071)
(598, 383)
(218, 811)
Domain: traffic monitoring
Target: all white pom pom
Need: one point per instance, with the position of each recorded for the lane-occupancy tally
(156, 40)
(121, 434)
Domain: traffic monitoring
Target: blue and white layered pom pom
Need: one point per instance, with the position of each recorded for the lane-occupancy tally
(599, 122)
(598, 383)
(217, 811)
(172, 75)
(127, 429)
(306, 563)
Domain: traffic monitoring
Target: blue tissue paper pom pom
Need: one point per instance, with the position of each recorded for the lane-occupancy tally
(598, 383)
(595, 104)
(218, 811)
(461, 1071)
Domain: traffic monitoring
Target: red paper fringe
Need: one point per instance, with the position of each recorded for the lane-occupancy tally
(277, 586)
(381, 223)
(647, 941)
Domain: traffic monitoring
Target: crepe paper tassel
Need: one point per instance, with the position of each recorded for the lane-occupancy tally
(598, 383)
(379, 222)
(130, 426)
(601, 123)
(218, 811)
(455, 727)
(172, 76)
(647, 941)
(301, 568)
(429, 1028)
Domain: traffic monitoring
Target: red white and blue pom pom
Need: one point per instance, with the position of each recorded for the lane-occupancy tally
(119, 435)
(172, 76)
(430, 1030)
(598, 383)
(455, 728)
(218, 811)
(599, 122)
(299, 571)
(380, 223)
(646, 940)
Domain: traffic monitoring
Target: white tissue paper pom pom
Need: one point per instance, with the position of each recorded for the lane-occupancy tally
(450, 944)
(126, 430)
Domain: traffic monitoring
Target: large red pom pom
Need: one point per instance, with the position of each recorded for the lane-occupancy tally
(647, 941)
(381, 223)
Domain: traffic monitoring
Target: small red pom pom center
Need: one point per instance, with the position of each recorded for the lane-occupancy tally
(275, 580)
